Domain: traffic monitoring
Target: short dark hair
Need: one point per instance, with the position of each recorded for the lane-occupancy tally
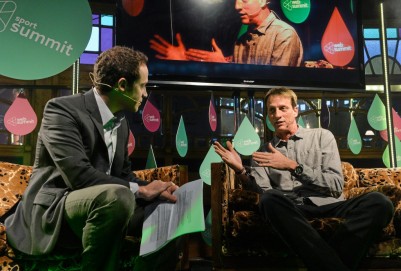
(115, 63)
(283, 92)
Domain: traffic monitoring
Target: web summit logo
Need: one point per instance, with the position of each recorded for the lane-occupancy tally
(333, 48)
(151, 118)
(290, 4)
(28, 29)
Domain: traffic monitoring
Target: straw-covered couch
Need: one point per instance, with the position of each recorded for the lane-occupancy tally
(241, 238)
(14, 179)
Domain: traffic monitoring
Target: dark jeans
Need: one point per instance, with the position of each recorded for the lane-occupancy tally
(365, 217)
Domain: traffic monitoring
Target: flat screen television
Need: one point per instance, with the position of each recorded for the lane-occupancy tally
(330, 33)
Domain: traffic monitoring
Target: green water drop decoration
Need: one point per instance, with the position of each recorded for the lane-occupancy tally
(386, 154)
(151, 160)
(181, 139)
(270, 125)
(301, 122)
(207, 234)
(354, 138)
(246, 140)
(204, 169)
(377, 114)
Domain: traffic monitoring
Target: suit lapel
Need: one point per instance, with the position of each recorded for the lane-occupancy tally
(91, 106)
(94, 114)
(121, 142)
(122, 132)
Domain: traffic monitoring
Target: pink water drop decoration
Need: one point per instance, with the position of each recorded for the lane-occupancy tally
(397, 127)
(151, 117)
(131, 143)
(20, 119)
(212, 116)
(133, 7)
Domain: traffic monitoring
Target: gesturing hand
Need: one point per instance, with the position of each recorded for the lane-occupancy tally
(229, 155)
(273, 158)
(166, 50)
(202, 55)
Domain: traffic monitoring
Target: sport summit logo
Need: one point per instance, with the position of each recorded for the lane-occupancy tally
(28, 29)
(7, 9)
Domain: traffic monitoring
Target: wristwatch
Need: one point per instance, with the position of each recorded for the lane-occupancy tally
(299, 169)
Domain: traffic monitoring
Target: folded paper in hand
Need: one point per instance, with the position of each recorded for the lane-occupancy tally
(165, 221)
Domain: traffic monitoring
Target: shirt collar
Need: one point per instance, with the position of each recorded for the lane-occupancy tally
(109, 121)
(299, 134)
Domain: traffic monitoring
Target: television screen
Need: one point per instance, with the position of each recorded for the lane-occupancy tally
(304, 44)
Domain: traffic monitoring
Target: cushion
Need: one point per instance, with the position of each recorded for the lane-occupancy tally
(378, 176)
(13, 182)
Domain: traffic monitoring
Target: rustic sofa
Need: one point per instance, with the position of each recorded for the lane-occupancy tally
(240, 239)
(14, 179)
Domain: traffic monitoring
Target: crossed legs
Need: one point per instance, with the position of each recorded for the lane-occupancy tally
(365, 217)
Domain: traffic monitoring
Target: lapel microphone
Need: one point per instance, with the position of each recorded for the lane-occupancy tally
(114, 89)
(126, 96)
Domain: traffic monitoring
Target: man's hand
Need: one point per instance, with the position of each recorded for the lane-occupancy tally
(166, 50)
(229, 155)
(157, 188)
(168, 193)
(201, 55)
(274, 159)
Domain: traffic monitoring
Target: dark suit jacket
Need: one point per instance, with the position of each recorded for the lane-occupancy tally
(70, 154)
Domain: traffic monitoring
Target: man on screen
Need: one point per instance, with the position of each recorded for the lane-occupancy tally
(267, 41)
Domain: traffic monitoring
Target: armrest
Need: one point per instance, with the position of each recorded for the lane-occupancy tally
(383, 180)
(364, 180)
(218, 207)
(378, 176)
(177, 174)
(222, 181)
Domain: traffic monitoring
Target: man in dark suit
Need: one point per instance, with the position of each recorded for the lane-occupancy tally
(82, 186)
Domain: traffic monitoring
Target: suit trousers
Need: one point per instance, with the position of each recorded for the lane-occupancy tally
(364, 219)
(98, 218)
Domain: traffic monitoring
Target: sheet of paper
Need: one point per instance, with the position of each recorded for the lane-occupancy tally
(165, 221)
